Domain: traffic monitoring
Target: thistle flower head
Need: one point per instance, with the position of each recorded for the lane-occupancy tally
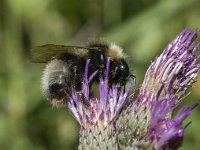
(102, 111)
(165, 83)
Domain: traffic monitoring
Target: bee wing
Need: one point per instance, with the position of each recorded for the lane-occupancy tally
(45, 53)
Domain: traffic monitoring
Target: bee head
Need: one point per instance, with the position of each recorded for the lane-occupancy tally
(119, 72)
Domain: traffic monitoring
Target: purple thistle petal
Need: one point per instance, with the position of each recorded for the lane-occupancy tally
(164, 131)
(178, 61)
(85, 82)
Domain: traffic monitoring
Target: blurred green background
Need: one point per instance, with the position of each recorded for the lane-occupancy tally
(143, 28)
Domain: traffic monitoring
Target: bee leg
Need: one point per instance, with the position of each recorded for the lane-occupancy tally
(84, 99)
(76, 78)
(133, 77)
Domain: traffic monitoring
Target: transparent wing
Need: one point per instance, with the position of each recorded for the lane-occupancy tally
(45, 53)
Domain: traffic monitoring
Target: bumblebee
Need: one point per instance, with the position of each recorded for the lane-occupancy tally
(66, 64)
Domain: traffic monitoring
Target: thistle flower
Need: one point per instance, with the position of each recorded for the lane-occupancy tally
(97, 116)
(149, 118)
(116, 121)
(176, 69)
